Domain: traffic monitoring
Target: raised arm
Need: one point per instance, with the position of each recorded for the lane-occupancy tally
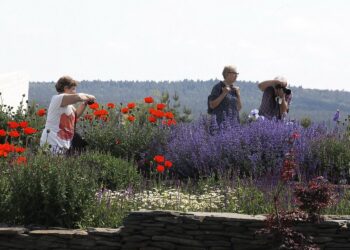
(284, 104)
(265, 84)
(216, 102)
(69, 99)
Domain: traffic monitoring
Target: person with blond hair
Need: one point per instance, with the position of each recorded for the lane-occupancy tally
(276, 98)
(62, 115)
(225, 98)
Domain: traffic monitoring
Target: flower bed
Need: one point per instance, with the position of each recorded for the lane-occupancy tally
(147, 155)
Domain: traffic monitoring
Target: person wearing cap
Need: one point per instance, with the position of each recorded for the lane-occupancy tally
(62, 115)
(225, 99)
(276, 98)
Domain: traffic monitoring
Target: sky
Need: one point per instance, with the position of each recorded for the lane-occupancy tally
(306, 41)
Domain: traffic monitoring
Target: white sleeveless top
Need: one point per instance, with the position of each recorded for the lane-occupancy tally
(60, 122)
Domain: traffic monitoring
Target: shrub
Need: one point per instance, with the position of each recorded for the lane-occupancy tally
(125, 141)
(4, 194)
(305, 122)
(252, 198)
(58, 191)
(110, 172)
(106, 212)
(333, 155)
(314, 197)
(254, 149)
(126, 132)
(50, 191)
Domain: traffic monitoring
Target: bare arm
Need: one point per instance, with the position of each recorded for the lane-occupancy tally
(69, 99)
(284, 104)
(80, 110)
(214, 103)
(265, 84)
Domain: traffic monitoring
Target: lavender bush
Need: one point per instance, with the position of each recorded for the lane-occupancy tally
(256, 148)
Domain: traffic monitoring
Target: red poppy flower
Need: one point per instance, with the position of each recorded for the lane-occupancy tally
(169, 115)
(21, 160)
(158, 113)
(159, 158)
(3, 153)
(131, 105)
(124, 110)
(20, 149)
(29, 131)
(111, 105)
(7, 147)
(171, 122)
(41, 112)
(3, 133)
(161, 106)
(14, 133)
(160, 168)
(94, 106)
(88, 117)
(168, 164)
(103, 118)
(152, 119)
(131, 118)
(101, 112)
(295, 135)
(13, 125)
(23, 124)
(149, 99)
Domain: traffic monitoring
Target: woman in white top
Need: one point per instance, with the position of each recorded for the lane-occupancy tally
(61, 116)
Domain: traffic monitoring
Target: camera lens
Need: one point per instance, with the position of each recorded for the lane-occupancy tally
(90, 102)
(287, 91)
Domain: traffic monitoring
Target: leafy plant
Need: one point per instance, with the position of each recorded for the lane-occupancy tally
(50, 190)
(314, 197)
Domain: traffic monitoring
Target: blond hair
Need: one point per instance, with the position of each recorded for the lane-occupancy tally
(227, 69)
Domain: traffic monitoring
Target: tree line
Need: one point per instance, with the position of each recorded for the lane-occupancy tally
(318, 105)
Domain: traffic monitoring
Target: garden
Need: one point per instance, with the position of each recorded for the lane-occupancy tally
(149, 155)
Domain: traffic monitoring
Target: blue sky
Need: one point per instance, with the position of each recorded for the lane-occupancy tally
(306, 41)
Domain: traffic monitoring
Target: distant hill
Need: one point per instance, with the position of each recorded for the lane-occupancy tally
(319, 105)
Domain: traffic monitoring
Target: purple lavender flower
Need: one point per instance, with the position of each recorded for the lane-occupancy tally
(336, 116)
(257, 148)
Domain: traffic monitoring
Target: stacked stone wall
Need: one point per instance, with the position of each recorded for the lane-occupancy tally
(157, 230)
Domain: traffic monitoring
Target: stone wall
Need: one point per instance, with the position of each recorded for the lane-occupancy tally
(156, 230)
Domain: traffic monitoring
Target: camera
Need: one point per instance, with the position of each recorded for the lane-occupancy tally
(90, 102)
(286, 90)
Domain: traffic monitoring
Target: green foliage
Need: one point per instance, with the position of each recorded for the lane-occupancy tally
(334, 155)
(4, 194)
(244, 118)
(174, 107)
(110, 172)
(59, 191)
(4, 116)
(252, 199)
(106, 213)
(343, 205)
(50, 191)
(123, 140)
(305, 122)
